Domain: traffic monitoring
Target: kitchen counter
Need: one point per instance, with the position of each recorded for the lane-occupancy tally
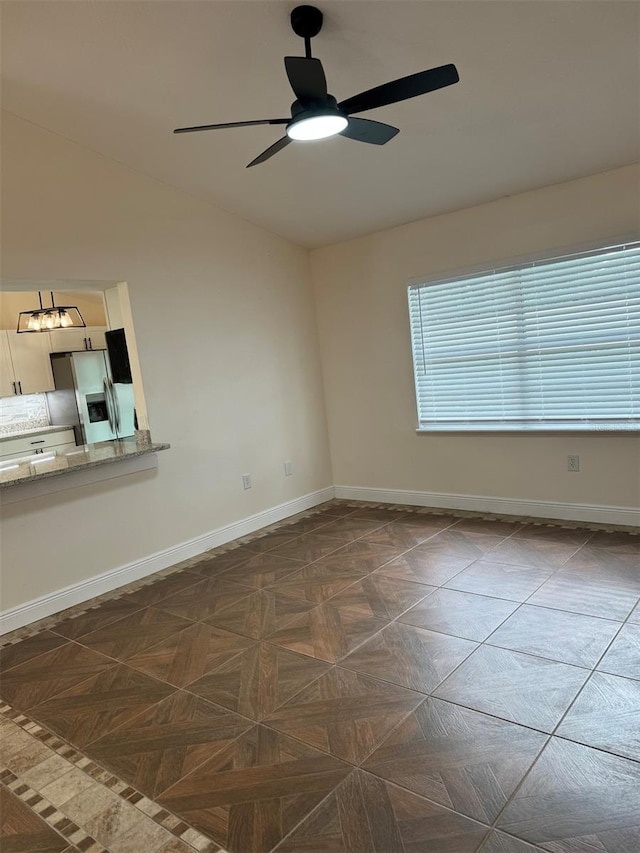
(53, 464)
(23, 433)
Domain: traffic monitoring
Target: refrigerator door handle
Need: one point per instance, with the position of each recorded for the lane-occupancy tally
(105, 388)
(116, 407)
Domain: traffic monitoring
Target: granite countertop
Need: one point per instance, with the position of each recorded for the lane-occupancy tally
(52, 464)
(23, 433)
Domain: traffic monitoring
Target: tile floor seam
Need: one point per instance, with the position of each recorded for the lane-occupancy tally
(550, 740)
(244, 717)
(354, 609)
(197, 766)
(115, 662)
(528, 654)
(184, 687)
(395, 618)
(494, 824)
(539, 656)
(335, 662)
(308, 815)
(597, 748)
(442, 586)
(258, 726)
(357, 765)
(608, 672)
(500, 719)
(145, 710)
(394, 785)
(532, 654)
(394, 621)
(577, 696)
(557, 609)
(389, 734)
(122, 661)
(487, 826)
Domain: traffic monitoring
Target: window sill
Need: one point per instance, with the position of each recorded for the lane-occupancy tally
(590, 431)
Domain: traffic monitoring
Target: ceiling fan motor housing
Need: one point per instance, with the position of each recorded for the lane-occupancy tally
(328, 105)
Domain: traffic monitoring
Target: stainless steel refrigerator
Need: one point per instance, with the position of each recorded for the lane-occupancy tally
(87, 398)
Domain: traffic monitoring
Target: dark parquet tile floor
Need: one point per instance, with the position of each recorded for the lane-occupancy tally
(363, 680)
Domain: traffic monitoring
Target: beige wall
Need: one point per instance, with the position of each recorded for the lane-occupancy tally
(361, 301)
(227, 339)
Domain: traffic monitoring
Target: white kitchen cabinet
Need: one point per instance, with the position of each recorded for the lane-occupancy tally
(74, 340)
(26, 366)
(96, 337)
(37, 442)
(68, 340)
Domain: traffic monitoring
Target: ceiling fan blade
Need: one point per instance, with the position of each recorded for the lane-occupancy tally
(374, 132)
(306, 76)
(231, 124)
(400, 90)
(270, 151)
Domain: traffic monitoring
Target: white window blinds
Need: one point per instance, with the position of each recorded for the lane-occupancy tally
(549, 345)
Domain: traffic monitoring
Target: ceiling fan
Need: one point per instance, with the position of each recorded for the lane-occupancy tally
(315, 114)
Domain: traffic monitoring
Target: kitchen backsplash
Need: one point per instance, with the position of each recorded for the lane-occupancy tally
(23, 412)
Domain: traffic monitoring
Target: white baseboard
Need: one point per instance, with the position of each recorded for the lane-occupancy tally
(502, 506)
(54, 602)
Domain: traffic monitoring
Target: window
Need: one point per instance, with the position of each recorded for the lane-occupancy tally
(551, 345)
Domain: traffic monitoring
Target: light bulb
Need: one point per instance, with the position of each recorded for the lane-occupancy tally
(49, 321)
(316, 127)
(34, 324)
(65, 319)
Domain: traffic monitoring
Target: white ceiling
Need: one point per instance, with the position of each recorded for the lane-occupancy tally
(549, 91)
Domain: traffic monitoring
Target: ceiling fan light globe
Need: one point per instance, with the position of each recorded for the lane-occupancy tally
(316, 127)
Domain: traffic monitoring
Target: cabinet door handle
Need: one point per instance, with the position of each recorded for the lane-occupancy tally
(90, 344)
(20, 386)
(37, 442)
(15, 388)
(84, 340)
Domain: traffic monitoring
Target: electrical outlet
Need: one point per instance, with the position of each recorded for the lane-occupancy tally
(573, 463)
(246, 481)
(288, 468)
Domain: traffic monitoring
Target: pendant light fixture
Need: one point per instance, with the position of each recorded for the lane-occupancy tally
(49, 319)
